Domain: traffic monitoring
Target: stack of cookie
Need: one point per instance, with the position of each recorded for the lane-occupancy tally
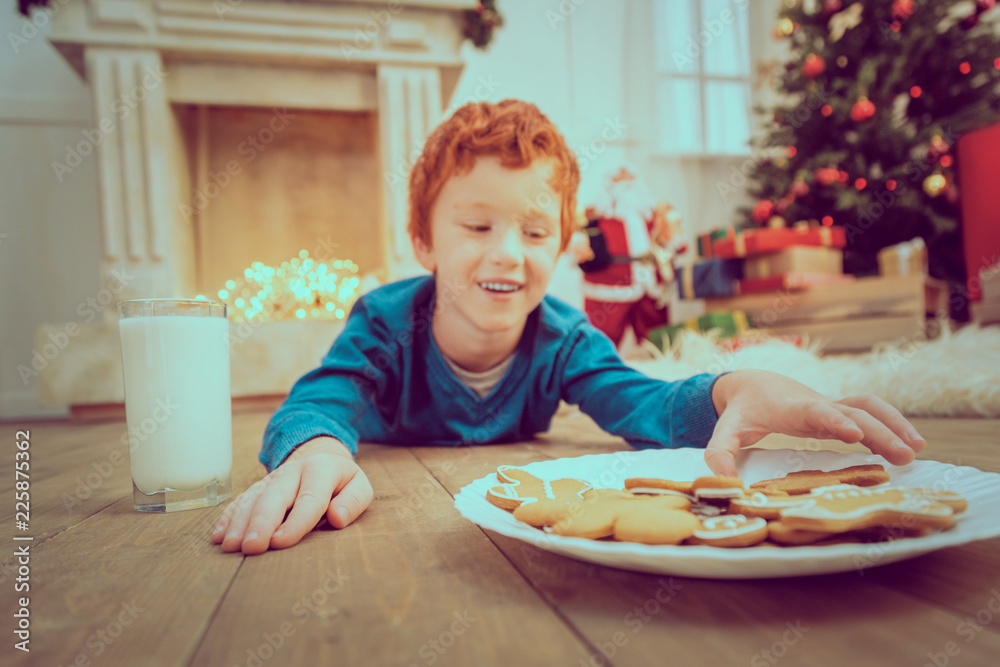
(855, 504)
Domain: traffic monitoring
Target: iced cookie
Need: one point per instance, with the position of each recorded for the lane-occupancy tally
(841, 509)
(518, 487)
(730, 530)
(717, 489)
(803, 481)
(652, 485)
(763, 505)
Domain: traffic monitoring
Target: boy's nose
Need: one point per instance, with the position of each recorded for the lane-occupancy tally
(509, 249)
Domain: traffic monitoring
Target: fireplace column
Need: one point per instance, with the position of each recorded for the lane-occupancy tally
(147, 245)
(409, 107)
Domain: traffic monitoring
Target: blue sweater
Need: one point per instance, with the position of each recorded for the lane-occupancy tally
(384, 380)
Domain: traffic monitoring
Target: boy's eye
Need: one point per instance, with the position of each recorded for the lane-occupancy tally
(537, 232)
(477, 226)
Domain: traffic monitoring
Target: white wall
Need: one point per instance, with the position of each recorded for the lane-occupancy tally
(48, 259)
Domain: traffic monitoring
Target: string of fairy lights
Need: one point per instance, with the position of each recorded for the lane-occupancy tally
(300, 288)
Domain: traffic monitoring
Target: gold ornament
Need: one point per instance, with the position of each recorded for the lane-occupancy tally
(935, 184)
(785, 27)
(776, 221)
(842, 61)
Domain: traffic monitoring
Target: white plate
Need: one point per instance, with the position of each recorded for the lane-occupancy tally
(981, 489)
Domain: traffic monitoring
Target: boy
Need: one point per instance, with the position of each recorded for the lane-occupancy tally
(477, 353)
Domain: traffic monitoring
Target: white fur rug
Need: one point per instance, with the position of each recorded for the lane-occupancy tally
(955, 375)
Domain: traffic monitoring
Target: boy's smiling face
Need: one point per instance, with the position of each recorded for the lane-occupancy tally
(495, 240)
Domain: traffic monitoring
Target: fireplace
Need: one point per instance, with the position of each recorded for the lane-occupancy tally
(235, 132)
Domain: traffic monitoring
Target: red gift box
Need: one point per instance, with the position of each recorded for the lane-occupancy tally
(978, 155)
(773, 239)
(790, 281)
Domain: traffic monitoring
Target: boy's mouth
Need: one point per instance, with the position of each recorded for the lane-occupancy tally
(490, 286)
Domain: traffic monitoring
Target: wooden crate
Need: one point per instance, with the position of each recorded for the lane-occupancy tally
(847, 317)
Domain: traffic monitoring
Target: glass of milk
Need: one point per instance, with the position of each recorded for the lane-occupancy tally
(175, 362)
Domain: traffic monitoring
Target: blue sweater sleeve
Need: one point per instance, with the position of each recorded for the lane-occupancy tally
(332, 398)
(625, 402)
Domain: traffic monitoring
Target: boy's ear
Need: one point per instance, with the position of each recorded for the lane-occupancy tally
(423, 253)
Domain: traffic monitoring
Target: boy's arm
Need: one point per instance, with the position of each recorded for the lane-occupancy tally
(329, 400)
(645, 411)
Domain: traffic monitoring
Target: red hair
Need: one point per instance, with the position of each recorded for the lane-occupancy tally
(512, 130)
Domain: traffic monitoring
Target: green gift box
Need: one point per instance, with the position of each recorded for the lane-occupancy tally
(731, 323)
(661, 337)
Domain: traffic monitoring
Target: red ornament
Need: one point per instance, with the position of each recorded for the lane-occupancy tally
(945, 161)
(985, 5)
(965, 67)
(862, 110)
(791, 151)
(762, 211)
(860, 184)
(813, 66)
(827, 221)
(915, 92)
(832, 6)
(890, 185)
(827, 175)
(799, 189)
(827, 109)
(902, 9)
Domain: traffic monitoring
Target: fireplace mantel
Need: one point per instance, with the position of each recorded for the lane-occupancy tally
(397, 60)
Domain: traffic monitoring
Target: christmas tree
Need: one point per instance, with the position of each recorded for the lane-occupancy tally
(876, 96)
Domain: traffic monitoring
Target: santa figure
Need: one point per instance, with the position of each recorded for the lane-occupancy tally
(626, 254)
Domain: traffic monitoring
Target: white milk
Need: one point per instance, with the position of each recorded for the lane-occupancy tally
(177, 401)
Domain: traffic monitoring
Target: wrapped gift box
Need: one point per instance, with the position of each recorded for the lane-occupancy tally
(790, 281)
(707, 240)
(797, 259)
(732, 323)
(750, 242)
(903, 259)
(711, 278)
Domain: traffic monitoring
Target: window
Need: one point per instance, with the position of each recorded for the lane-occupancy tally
(702, 65)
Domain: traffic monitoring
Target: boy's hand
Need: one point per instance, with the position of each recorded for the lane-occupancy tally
(752, 404)
(315, 472)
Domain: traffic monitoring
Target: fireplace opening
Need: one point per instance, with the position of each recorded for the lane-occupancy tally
(271, 184)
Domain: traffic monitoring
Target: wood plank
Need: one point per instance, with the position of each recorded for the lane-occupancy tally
(856, 333)
(414, 583)
(896, 295)
(122, 587)
(116, 411)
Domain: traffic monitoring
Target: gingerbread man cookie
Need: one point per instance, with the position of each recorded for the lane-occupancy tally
(518, 487)
(804, 481)
(844, 508)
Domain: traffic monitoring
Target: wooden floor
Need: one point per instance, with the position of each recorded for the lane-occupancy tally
(414, 583)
